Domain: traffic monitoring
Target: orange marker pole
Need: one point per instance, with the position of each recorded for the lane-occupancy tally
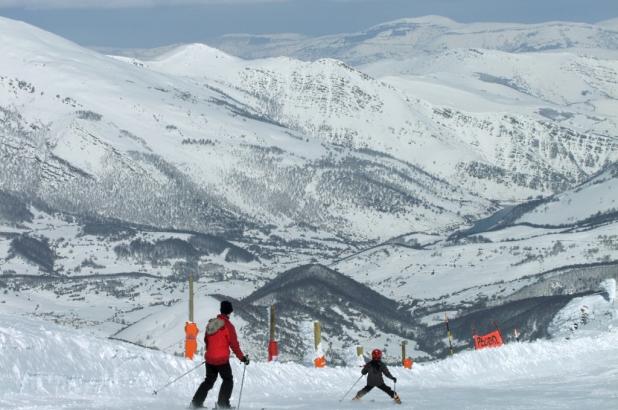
(191, 332)
(273, 346)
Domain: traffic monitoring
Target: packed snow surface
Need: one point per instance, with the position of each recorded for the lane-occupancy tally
(49, 367)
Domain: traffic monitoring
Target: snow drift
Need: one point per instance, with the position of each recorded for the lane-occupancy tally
(47, 366)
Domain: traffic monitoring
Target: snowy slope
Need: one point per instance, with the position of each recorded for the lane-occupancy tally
(51, 366)
(596, 198)
(191, 60)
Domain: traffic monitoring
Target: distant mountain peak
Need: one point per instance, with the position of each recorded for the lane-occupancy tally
(610, 24)
(195, 51)
(428, 20)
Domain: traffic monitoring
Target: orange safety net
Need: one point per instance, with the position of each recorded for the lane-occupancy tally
(320, 362)
(191, 332)
(493, 339)
(408, 362)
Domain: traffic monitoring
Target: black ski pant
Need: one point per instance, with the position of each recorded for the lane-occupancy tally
(225, 392)
(382, 387)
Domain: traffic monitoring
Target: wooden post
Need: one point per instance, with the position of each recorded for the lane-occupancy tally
(448, 334)
(317, 334)
(360, 350)
(320, 360)
(403, 351)
(272, 322)
(190, 297)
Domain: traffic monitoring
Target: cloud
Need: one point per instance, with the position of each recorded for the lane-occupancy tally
(115, 4)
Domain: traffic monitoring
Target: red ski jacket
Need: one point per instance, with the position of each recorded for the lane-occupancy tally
(220, 337)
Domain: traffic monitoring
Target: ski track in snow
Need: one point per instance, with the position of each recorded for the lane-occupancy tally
(49, 367)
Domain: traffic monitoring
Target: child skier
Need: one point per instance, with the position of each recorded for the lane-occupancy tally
(374, 370)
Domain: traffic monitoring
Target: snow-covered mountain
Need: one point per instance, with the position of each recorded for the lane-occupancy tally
(496, 153)
(456, 179)
(403, 38)
(612, 24)
(191, 155)
(576, 92)
(320, 123)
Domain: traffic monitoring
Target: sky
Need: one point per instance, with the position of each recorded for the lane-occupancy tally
(153, 23)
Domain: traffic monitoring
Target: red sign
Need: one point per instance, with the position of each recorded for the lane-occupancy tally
(493, 339)
(408, 362)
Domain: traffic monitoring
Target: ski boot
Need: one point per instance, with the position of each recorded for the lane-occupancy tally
(358, 396)
(397, 399)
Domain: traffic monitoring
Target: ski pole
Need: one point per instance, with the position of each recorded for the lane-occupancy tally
(242, 383)
(350, 389)
(178, 378)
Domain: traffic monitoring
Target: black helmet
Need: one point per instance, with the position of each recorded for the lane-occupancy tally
(226, 307)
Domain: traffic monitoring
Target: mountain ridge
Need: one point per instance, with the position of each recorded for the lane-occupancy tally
(239, 171)
(402, 37)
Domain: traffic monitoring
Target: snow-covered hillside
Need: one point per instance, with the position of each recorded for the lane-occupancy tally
(51, 367)
(121, 278)
(512, 267)
(503, 254)
(497, 152)
(596, 199)
(574, 91)
(492, 265)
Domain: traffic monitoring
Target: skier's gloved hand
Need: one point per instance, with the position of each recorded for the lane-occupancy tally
(394, 380)
(245, 360)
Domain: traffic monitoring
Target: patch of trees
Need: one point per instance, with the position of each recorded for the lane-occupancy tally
(35, 250)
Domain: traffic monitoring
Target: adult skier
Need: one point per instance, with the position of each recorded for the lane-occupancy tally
(374, 370)
(219, 339)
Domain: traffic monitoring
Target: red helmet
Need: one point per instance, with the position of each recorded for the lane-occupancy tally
(376, 354)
